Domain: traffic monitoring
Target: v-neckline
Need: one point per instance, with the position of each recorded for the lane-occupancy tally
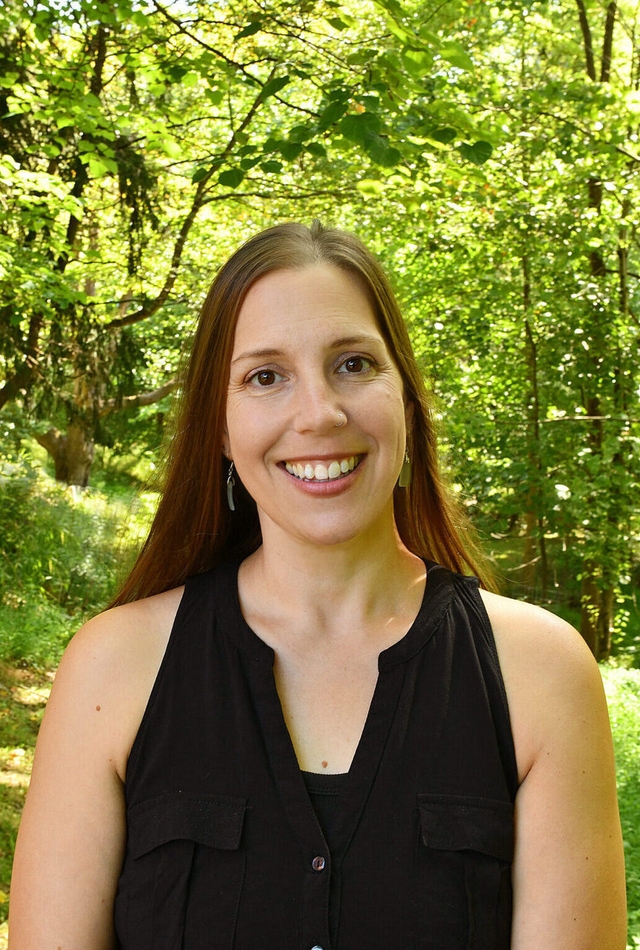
(281, 756)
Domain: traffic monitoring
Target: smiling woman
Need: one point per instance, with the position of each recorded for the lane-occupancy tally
(304, 726)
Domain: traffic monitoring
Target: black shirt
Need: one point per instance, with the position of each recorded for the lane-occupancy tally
(225, 850)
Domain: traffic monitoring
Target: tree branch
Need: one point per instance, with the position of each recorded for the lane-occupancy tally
(199, 199)
(196, 39)
(141, 399)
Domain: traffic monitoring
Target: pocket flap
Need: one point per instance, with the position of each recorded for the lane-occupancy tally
(458, 823)
(212, 820)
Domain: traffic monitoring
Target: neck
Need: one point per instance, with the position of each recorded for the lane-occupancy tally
(333, 585)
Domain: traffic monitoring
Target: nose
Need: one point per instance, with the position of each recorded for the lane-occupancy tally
(317, 407)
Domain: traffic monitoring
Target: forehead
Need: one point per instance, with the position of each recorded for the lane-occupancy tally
(287, 302)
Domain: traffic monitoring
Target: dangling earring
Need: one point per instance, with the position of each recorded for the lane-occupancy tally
(404, 478)
(230, 486)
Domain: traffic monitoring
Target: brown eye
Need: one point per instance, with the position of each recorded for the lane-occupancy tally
(356, 364)
(265, 377)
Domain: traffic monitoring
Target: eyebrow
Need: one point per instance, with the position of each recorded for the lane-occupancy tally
(345, 341)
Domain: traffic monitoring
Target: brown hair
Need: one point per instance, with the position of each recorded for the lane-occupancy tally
(193, 529)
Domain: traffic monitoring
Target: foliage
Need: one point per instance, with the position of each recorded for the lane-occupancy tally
(623, 696)
(62, 555)
(134, 136)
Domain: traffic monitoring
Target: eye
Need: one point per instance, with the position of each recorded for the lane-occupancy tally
(356, 365)
(264, 378)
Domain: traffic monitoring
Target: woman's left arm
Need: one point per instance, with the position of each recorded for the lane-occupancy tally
(568, 871)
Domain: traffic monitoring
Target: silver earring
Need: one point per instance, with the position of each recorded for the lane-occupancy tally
(230, 486)
(340, 424)
(404, 478)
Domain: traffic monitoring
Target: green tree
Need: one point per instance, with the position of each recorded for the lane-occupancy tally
(135, 137)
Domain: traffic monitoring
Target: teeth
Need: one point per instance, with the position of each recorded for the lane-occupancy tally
(322, 472)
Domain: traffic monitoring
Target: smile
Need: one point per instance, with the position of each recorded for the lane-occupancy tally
(323, 471)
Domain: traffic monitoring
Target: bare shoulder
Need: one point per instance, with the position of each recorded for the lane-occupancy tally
(530, 627)
(111, 664)
(549, 672)
(568, 838)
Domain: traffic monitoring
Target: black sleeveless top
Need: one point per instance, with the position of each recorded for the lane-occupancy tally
(224, 848)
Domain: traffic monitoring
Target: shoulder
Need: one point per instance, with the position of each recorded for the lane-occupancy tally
(568, 840)
(519, 626)
(549, 673)
(110, 667)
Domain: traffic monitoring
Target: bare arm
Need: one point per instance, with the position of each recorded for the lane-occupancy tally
(71, 841)
(568, 871)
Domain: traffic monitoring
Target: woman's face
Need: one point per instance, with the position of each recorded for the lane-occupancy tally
(316, 417)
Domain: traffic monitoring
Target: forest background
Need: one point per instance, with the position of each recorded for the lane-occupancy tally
(488, 152)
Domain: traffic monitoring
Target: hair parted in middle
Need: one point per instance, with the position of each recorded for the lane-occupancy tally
(193, 529)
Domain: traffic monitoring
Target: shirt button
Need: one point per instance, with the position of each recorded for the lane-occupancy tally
(318, 864)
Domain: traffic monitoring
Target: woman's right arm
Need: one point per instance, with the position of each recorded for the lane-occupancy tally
(72, 835)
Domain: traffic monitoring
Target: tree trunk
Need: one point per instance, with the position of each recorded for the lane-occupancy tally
(606, 617)
(590, 606)
(535, 572)
(72, 454)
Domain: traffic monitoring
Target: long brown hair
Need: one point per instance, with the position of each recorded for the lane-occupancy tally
(193, 529)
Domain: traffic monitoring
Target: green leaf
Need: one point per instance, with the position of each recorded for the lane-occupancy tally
(201, 172)
(337, 23)
(272, 167)
(370, 187)
(290, 150)
(317, 149)
(271, 88)
(175, 73)
(397, 30)
(417, 62)
(356, 128)
(231, 178)
(478, 153)
(379, 150)
(457, 55)
(331, 114)
(445, 135)
(97, 169)
(254, 26)
(300, 133)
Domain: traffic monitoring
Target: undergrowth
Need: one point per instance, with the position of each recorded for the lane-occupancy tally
(62, 553)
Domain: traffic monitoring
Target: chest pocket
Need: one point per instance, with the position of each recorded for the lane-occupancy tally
(464, 861)
(182, 876)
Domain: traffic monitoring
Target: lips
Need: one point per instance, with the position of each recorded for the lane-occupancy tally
(326, 471)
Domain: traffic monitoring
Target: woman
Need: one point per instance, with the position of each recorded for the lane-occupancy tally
(314, 745)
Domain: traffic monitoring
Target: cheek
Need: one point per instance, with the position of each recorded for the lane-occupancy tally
(248, 429)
